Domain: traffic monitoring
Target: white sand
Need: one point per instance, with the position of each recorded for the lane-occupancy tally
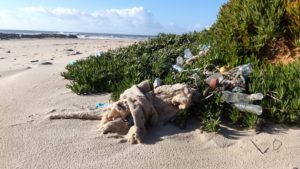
(29, 140)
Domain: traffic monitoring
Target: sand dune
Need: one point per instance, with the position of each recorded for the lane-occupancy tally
(29, 92)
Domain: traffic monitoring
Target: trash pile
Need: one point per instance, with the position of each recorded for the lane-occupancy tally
(231, 83)
(233, 86)
(189, 58)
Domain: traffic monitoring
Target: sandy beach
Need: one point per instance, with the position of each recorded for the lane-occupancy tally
(31, 88)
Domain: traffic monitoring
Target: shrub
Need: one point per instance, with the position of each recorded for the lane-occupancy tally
(297, 42)
(281, 85)
(293, 16)
(246, 27)
(118, 69)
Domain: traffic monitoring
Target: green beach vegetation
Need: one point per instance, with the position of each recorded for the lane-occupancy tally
(246, 31)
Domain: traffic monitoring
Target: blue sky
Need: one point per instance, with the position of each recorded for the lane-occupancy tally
(147, 17)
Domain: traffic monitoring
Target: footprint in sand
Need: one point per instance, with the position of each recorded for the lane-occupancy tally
(46, 63)
(32, 61)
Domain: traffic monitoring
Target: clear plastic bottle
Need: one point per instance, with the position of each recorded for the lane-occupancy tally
(246, 69)
(98, 53)
(231, 97)
(179, 61)
(188, 54)
(204, 49)
(256, 96)
(178, 68)
(250, 108)
(157, 82)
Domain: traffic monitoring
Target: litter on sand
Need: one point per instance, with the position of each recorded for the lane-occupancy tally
(71, 62)
(98, 53)
(102, 105)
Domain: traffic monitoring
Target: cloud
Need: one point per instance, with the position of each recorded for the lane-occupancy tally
(35, 9)
(66, 12)
(54, 11)
(135, 20)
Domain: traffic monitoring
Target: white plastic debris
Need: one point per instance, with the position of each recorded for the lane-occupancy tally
(230, 97)
(250, 108)
(256, 96)
(179, 61)
(178, 68)
(71, 62)
(157, 82)
(98, 53)
(246, 69)
(204, 49)
(187, 54)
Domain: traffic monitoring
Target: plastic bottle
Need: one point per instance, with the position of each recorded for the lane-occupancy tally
(256, 96)
(178, 68)
(230, 97)
(179, 61)
(98, 53)
(246, 69)
(157, 82)
(250, 108)
(203, 49)
(188, 54)
(238, 89)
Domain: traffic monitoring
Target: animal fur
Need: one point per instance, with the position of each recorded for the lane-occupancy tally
(146, 107)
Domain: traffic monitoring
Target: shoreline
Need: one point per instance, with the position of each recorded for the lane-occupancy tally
(7, 36)
(24, 34)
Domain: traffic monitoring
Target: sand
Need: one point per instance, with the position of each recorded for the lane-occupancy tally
(29, 92)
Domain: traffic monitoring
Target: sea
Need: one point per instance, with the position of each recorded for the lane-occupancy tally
(80, 35)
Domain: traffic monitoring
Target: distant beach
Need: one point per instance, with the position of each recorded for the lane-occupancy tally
(19, 34)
